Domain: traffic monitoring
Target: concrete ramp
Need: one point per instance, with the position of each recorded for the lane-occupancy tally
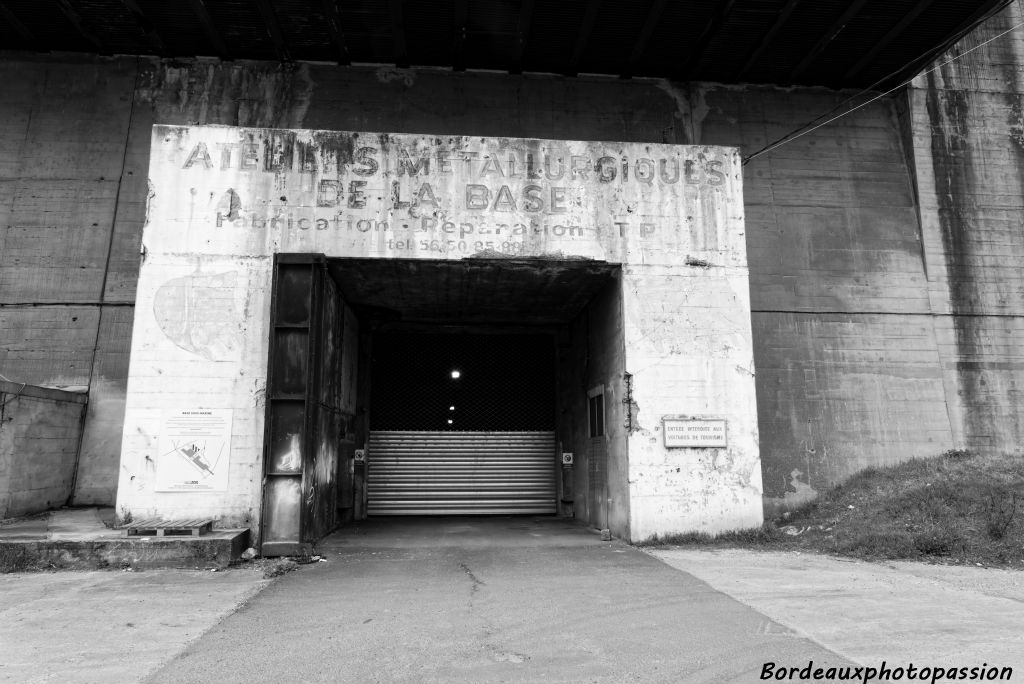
(485, 599)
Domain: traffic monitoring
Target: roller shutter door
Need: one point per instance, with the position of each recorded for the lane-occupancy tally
(457, 473)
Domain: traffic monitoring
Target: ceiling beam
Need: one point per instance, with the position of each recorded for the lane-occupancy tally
(711, 29)
(522, 35)
(898, 28)
(212, 34)
(912, 67)
(16, 24)
(155, 41)
(980, 14)
(640, 46)
(766, 40)
(333, 17)
(834, 30)
(459, 46)
(583, 37)
(273, 27)
(398, 29)
(71, 14)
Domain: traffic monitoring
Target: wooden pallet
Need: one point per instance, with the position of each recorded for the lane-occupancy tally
(158, 527)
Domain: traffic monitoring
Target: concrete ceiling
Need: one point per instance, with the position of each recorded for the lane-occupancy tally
(837, 43)
(470, 291)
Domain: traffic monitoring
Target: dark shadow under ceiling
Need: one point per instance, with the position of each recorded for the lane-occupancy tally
(470, 292)
(835, 43)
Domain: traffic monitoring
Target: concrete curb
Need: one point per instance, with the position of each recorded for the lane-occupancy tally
(215, 550)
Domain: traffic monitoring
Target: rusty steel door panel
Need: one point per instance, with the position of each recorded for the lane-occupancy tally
(455, 473)
(305, 423)
(320, 485)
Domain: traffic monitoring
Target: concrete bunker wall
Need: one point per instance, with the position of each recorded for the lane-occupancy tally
(40, 434)
(202, 318)
(966, 124)
(854, 368)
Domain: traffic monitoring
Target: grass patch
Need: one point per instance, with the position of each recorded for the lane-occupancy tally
(955, 508)
(766, 534)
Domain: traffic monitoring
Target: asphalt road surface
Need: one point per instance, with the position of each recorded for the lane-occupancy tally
(499, 599)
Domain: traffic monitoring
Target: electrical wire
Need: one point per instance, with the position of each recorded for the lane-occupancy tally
(810, 127)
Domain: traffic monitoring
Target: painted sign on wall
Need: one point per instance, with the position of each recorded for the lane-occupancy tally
(377, 194)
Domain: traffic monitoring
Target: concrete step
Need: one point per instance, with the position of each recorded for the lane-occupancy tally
(78, 539)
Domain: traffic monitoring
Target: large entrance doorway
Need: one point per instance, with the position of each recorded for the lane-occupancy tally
(462, 424)
(417, 387)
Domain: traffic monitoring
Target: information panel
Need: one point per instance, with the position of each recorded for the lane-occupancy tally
(694, 433)
(194, 449)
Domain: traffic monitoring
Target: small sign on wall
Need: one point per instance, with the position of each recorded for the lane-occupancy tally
(698, 433)
(195, 445)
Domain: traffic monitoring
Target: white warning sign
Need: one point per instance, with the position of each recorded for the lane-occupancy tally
(694, 433)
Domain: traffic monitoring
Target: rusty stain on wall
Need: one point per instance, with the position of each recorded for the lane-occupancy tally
(250, 94)
(949, 114)
(690, 107)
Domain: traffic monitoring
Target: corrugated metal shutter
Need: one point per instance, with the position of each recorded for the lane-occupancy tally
(446, 473)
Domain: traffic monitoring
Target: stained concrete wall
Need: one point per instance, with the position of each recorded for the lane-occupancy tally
(40, 432)
(70, 202)
(861, 357)
(847, 360)
(690, 355)
(966, 128)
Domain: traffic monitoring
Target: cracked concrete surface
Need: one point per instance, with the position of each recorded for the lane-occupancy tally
(504, 598)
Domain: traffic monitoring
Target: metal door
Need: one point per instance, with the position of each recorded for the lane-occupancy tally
(308, 402)
(455, 473)
(597, 460)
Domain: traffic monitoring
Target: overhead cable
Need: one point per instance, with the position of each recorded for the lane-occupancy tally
(810, 126)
